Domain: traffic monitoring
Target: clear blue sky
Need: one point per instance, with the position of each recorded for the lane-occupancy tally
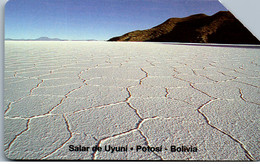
(94, 19)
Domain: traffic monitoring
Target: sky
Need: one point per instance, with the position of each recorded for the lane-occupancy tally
(95, 19)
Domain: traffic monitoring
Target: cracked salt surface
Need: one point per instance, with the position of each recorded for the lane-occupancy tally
(59, 94)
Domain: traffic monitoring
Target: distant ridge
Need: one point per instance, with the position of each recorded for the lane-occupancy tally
(38, 39)
(49, 39)
(221, 27)
(46, 39)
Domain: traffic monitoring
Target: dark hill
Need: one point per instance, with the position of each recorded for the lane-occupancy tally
(221, 27)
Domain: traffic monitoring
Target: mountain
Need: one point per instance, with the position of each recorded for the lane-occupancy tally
(48, 39)
(221, 27)
(38, 39)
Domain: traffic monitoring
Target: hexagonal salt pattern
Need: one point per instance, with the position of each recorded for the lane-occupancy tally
(62, 96)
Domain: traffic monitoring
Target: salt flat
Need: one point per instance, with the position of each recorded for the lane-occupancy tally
(91, 94)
